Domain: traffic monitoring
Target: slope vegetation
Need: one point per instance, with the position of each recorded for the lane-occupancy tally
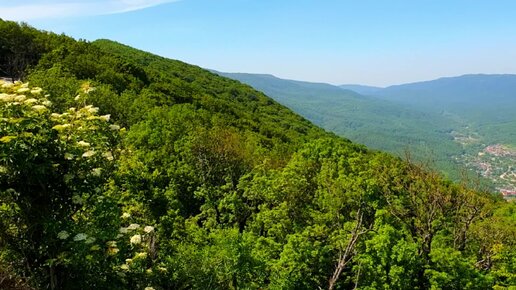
(377, 123)
(451, 122)
(482, 108)
(126, 170)
(485, 102)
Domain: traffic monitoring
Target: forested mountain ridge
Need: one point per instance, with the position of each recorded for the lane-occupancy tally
(481, 107)
(377, 123)
(454, 122)
(471, 88)
(120, 169)
(486, 102)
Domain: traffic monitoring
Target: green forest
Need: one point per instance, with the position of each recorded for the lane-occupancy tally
(380, 124)
(120, 169)
(447, 123)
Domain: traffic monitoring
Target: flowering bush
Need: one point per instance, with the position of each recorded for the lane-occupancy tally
(55, 217)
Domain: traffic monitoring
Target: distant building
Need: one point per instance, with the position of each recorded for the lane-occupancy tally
(508, 194)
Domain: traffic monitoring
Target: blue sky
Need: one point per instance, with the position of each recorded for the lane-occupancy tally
(380, 42)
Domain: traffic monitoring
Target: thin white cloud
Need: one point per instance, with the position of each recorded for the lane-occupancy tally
(40, 9)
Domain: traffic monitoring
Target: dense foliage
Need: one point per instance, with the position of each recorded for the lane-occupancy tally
(449, 122)
(378, 123)
(211, 184)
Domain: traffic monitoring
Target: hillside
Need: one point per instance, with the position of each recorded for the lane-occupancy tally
(433, 120)
(467, 89)
(482, 107)
(486, 102)
(377, 123)
(120, 169)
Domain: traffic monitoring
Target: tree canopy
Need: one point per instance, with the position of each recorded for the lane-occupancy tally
(120, 169)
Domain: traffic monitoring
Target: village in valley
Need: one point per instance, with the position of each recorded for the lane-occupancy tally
(495, 162)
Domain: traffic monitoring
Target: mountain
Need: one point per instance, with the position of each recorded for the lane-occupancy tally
(120, 169)
(378, 123)
(361, 89)
(451, 121)
(483, 106)
(474, 89)
(485, 102)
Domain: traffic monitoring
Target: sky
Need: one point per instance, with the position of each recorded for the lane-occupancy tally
(371, 42)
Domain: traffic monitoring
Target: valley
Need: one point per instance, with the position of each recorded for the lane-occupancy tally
(497, 164)
(434, 122)
(494, 162)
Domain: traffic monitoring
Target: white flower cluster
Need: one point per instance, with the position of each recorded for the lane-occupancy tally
(63, 235)
(136, 239)
(132, 227)
(16, 95)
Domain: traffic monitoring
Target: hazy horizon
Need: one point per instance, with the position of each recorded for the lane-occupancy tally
(367, 43)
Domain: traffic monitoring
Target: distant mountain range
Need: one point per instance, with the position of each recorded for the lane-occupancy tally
(430, 119)
(485, 102)
(474, 88)
(361, 89)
